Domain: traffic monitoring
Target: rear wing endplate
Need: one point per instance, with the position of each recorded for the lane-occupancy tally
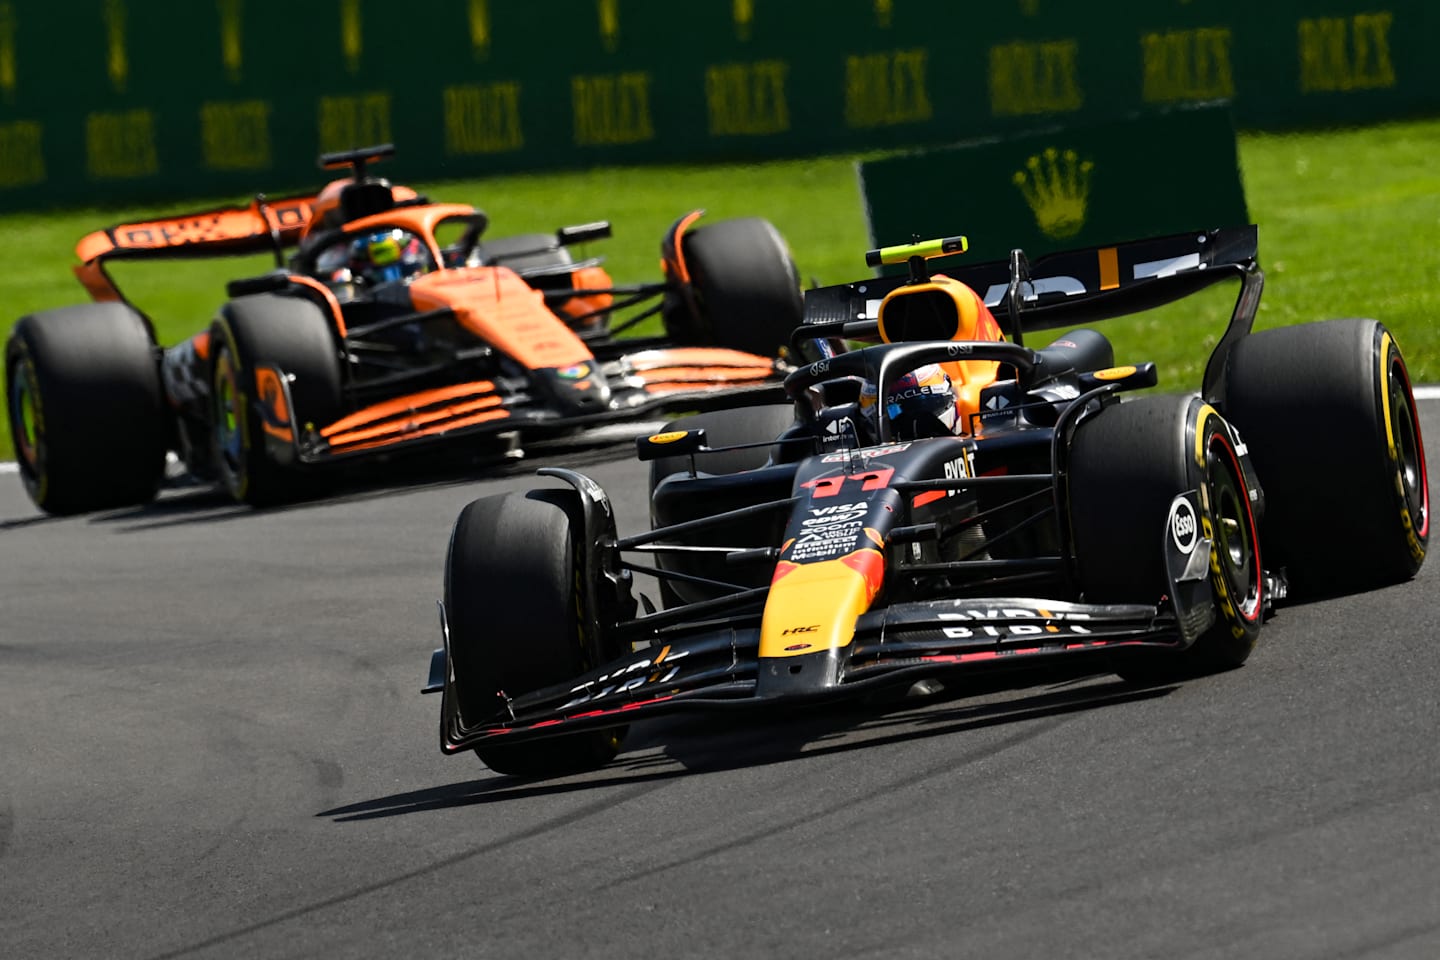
(263, 225)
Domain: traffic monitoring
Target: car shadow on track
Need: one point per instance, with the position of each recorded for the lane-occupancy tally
(194, 504)
(699, 745)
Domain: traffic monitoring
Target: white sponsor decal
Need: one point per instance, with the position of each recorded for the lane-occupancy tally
(867, 452)
(1183, 527)
(629, 677)
(829, 531)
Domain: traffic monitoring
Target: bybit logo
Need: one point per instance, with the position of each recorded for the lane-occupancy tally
(1056, 185)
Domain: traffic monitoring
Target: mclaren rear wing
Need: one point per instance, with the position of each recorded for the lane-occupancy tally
(1073, 287)
(263, 225)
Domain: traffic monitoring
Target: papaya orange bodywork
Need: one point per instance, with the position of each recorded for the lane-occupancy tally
(589, 278)
(499, 307)
(409, 403)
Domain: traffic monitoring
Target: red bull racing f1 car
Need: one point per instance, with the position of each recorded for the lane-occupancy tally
(939, 499)
(389, 324)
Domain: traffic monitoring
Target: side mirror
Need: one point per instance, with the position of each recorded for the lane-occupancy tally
(582, 232)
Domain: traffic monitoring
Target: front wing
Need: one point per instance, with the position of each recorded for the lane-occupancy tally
(719, 668)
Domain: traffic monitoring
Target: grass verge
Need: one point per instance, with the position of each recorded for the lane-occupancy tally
(1349, 226)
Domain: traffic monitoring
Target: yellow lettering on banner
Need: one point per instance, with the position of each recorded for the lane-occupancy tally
(7, 50)
(1346, 53)
(1187, 65)
(235, 136)
(743, 13)
(232, 52)
(747, 98)
(349, 122)
(884, 89)
(608, 13)
(352, 34)
(116, 61)
(480, 28)
(611, 109)
(483, 119)
(121, 146)
(1028, 78)
(22, 162)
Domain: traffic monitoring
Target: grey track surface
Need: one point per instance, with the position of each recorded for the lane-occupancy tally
(212, 745)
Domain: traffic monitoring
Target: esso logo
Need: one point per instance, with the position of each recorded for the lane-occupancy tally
(1183, 527)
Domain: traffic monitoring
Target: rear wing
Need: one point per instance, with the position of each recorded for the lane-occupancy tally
(263, 225)
(1073, 287)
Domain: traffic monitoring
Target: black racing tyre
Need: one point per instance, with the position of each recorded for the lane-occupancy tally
(293, 335)
(515, 623)
(1127, 464)
(723, 428)
(1330, 419)
(86, 407)
(745, 287)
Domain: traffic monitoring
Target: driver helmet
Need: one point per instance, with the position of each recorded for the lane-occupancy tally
(921, 404)
(388, 255)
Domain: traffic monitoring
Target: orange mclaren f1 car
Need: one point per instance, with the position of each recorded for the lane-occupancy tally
(389, 324)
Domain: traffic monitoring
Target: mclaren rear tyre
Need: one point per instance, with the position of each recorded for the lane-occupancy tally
(275, 369)
(515, 622)
(744, 285)
(86, 408)
(1127, 465)
(1334, 433)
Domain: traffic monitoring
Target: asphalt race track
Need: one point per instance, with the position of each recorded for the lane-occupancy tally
(212, 744)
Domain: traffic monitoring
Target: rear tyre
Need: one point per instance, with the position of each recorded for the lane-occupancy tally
(746, 290)
(267, 331)
(515, 622)
(86, 408)
(1127, 465)
(1334, 434)
(723, 428)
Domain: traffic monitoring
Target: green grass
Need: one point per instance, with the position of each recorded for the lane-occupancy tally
(1349, 226)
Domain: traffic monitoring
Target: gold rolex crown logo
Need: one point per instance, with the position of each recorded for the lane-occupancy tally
(1055, 185)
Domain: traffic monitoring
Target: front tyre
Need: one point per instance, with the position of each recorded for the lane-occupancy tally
(1334, 434)
(515, 610)
(1127, 465)
(254, 341)
(86, 408)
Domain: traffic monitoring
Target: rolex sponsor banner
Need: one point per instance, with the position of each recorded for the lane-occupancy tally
(1063, 188)
(128, 101)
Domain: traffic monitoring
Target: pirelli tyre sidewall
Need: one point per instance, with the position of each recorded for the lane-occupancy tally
(1127, 464)
(1334, 433)
(86, 408)
(515, 601)
(268, 335)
